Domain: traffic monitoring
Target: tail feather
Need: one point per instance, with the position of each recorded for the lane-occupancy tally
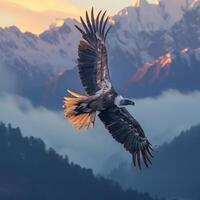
(80, 120)
(76, 94)
(93, 117)
(83, 121)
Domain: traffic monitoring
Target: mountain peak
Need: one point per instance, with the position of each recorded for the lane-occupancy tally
(143, 17)
(57, 23)
(141, 3)
(194, 3)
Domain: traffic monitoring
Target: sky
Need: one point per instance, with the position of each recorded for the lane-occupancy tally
(36, 15)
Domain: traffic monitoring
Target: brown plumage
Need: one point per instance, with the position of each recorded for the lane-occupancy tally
(83, 120)
(81, 110)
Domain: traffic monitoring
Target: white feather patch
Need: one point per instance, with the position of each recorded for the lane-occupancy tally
(118, 100)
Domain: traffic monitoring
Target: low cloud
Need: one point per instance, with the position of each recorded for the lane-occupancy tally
(89, 149)
(162, 119)
(8, 81)
(165, 117)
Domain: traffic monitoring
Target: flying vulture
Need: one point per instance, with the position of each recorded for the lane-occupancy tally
(102, 99)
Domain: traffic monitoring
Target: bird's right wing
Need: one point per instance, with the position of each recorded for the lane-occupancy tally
(92, 61)
(127, 131)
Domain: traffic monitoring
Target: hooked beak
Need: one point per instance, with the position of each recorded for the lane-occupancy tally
(127, 102)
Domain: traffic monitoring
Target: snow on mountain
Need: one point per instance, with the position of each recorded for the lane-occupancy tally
(140, 36)
(146, 17)
(134, 26)
(137, 29)
(165, 66)
(177, 70)
(64, 40)
(179, 66)
(174, 59)
(49, 52)
(134, 35)
(175, 8)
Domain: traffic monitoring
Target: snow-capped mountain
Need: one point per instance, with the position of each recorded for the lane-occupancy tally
(175, 63)
(48, 53)
(143, 34)
(176, 8)
(140, 35)
(175, 70)
(55, 50)
(178, 67)
(137, 29)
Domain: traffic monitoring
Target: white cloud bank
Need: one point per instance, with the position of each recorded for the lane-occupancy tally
(162, 119)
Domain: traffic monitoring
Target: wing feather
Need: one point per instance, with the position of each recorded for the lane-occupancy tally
(92, 54)
(97, 21)
(88, 22)
(104, 26)
(127, 131)
(101, 22)
(84, 25)
(82, 32)
(93, 20)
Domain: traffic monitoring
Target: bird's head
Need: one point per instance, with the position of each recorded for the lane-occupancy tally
(120, 101)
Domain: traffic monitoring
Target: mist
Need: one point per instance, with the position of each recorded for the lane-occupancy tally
(8, 81)
(162, 118)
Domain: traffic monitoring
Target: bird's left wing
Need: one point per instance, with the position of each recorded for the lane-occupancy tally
(92, 53)
(127, 131)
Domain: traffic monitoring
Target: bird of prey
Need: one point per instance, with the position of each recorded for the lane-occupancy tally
(102, 99)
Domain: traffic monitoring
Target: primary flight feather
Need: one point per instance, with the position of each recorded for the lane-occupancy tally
(81, 110)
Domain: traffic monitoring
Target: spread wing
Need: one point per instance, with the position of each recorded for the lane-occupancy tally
(127, 131)
(92, 54)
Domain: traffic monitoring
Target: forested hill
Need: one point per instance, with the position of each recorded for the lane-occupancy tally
(30, 171)
(175, 170)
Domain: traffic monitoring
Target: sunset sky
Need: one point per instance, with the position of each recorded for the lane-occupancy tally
(37, 15)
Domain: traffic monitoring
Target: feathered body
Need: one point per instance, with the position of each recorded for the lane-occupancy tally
(81, 110)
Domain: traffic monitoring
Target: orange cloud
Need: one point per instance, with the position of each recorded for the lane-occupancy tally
(43, 5)
(37, 15)
(32, 20)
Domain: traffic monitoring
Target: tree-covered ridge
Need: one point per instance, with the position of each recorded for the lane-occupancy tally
(28, 170)
(175, 171)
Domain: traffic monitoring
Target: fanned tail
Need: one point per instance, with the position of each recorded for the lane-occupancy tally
(80, 120)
